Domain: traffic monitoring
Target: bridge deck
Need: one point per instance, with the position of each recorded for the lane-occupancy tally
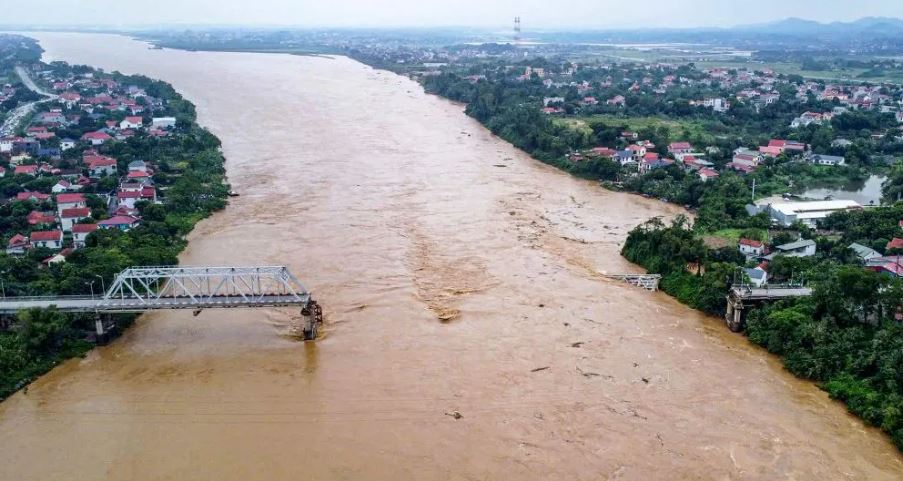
(774, 293)
(11, 305)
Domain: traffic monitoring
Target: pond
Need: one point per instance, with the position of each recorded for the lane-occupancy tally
(865, 192)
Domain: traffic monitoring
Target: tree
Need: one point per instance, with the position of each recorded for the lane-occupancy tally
(893, 186)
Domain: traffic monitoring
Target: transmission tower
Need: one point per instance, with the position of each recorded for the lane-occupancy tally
(516, 29)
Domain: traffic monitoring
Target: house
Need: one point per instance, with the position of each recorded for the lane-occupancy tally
(31, 170)
(888, 265)
(163, 122)
(691, 163)
(100, 165)
(121, 222)
(623, 157)
(864, 253)
(637, 151)
(800, 248)
(97, 138)
(70, 201)
(58, 258)
(617, 100)
(145, 178)
(757, 276)
(809, 118)
(69, 217)
(895, 244)
(627, 135)
(601, 152)
(51, 239)
(138, 166)
(652, 161)
(787, 146)
(80, 233)
(131, 123)
(675, 148)
(40, 218)
(822, 159)
(706, 174)
(17, 245)
(747, 157)
(751, 247)
(67, 144)
(32, 196)
(61, 186)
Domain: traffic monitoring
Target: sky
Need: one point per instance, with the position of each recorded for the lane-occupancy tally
(538, 14)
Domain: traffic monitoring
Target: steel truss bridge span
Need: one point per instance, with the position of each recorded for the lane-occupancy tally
(140, 289)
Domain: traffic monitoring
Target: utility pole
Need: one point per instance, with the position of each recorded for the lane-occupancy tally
(754, 190)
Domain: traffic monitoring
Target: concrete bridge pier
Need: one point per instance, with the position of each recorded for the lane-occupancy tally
(312, 317)
(103, 325)
(735, 316)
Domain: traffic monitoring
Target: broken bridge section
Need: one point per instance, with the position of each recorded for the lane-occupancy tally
(743, 297)
(140, 289)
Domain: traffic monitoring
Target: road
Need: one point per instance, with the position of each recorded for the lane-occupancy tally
(21, 112)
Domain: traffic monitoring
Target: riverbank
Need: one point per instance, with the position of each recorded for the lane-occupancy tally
(66, 233)
(544, 362)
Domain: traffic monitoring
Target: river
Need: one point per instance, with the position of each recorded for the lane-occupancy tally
(398, 211)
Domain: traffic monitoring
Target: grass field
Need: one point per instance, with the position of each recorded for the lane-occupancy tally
(711, 59)
(677, 128)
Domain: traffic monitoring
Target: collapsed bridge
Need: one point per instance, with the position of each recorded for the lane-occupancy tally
(140, 289)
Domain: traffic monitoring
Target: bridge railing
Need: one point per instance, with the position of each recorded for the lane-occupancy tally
(79, 297)
(201, 284)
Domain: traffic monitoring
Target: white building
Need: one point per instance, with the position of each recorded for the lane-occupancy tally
(163, 122)
(810, 212)
(757, 276)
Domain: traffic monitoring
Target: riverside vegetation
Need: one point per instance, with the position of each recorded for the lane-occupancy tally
(190, 177)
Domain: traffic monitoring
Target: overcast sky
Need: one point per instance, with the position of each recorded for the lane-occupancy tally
(430, 13)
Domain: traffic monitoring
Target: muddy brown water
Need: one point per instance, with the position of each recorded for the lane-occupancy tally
(390, 205)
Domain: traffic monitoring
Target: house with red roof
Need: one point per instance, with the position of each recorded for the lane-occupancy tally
(895, 244)
(652, 161)
(601, 152)
(888, 265)
(31, 170)
(70, 201)
(80, 233)
(121, 222)
(51, 239)
(138, 176)
(59, 257)
(100, 165)
(17, 245)
(628, 135)
(35, 196)
(788, 146)
(637, 152)
(131, 122)
(706, 174)
(71, 216)
(40, 218)
(676, 148)
(96, 138)
(751, 247)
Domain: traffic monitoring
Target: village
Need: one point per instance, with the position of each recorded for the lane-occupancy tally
(59, 163)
